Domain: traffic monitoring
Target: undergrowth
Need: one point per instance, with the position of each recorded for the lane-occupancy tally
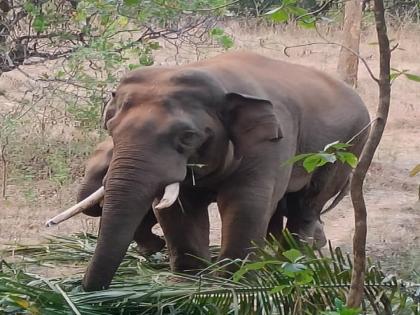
(296, 280)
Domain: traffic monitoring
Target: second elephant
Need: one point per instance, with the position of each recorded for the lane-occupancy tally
(95, 171)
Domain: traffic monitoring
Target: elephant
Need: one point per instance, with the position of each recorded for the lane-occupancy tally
(220, 130)
(95, 172)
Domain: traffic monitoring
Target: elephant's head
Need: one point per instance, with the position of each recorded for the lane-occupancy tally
(160, 121)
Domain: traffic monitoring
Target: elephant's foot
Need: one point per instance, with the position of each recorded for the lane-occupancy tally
(310, 232)
(313, 234)
(150, 246)
(320, 240)
(188, 263)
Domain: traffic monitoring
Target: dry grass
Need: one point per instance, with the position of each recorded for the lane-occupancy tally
(390, 192)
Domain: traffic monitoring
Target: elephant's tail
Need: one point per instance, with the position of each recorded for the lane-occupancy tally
(341, 194)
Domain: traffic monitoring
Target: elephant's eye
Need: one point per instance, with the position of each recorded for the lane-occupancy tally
(127, 104)
(187, 140)
(188, 137)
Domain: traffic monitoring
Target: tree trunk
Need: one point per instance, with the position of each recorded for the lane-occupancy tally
(348, 61)
(355, 296)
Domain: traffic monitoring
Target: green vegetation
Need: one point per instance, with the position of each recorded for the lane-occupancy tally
(292, 280)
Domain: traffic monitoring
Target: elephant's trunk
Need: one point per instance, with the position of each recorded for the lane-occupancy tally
(129, 192)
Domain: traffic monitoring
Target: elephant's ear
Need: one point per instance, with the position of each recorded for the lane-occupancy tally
(250, 120)
(109, 111)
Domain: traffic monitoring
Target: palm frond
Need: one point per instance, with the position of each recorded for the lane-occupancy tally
(291, 279)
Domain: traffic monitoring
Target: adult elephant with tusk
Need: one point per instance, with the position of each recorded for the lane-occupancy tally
(220, 130)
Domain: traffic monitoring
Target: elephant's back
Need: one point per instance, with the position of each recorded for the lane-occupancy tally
(325, 107)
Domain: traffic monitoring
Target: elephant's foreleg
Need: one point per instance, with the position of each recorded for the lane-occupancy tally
(148, 243)
(186, 230)
(245, 210)
(304, 207)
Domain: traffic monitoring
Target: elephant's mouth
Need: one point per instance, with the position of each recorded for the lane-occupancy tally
(168, 196)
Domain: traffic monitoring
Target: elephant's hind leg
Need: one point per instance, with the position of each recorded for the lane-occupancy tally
(304, 207)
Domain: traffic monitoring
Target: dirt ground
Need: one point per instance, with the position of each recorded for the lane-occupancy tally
(391, 195)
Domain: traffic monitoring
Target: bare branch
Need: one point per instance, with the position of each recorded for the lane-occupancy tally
(328, 42)
(218, 7)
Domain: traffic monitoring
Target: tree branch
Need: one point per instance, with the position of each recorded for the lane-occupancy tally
(355, 296)
(327, 42)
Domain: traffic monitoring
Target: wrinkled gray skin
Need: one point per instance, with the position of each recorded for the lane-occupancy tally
(242, 116)
(95, 172)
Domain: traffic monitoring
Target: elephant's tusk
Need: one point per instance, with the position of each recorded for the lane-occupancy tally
(169, 197)
(79, 207)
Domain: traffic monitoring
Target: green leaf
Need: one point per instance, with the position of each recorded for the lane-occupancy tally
(39, 23)
(330, 145)
(338, 304)
(412, 77)
(397, 73)
(293, 255)
(290, 269)
(226, 41)
(349, 158)
(30, 8)
(415, 170)
(131, 2)
(393, 76)
(105, 19)
(154, 45)
(318, 159)
(122, 21)
(146, 60)
(289, 2)
(280, 16)
(304, 277)
(253, 266)
(60, 74)
(307, 24)
(272, 11)
(297, 158)
(217, 31)
(340, 146)
(328, 157)
(312, 162)
(133, 66)
(223, 39)
(80, 16)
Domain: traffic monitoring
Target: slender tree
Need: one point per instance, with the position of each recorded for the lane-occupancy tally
(348, 61)
(355, 296)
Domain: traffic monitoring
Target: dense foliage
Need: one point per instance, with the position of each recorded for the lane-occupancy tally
(283, 280)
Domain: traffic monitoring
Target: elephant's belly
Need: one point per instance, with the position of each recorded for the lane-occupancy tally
(298, 180)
